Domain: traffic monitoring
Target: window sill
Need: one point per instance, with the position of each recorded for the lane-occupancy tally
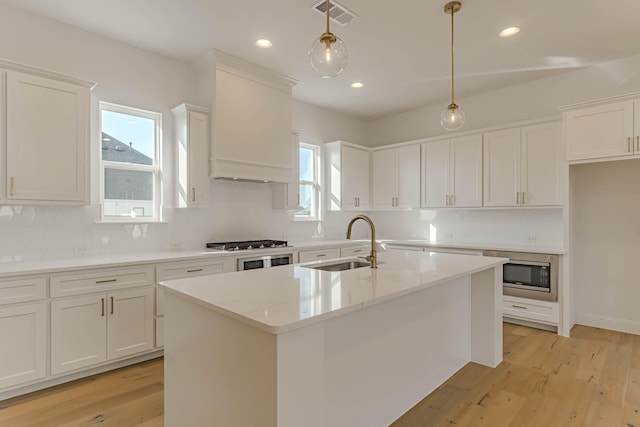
(130, 221)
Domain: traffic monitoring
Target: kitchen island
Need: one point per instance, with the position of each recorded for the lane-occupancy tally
(295, 346)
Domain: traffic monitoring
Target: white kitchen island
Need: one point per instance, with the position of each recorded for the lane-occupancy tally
(293, 346)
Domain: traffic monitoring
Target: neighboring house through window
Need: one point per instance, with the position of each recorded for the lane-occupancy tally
(129, 163)
(309, 182)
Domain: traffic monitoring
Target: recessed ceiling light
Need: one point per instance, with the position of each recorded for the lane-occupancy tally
(357, 85)
(264, 43)
(509, 32)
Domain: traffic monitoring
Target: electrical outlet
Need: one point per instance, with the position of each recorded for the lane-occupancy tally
(532, 239)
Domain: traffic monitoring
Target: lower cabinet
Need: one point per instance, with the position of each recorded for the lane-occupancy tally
(91, 329)
(23, 355)
(531, 310)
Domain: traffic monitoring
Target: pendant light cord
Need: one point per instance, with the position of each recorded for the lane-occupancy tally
(327, 7)
(452, 13)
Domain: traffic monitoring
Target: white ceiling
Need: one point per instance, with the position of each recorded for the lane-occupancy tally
(399, 49)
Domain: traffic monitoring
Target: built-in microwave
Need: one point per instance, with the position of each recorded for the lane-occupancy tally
(529, 275)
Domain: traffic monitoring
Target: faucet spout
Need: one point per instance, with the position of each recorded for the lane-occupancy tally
(372, 258)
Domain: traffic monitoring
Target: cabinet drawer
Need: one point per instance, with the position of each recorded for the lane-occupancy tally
(23, 290)
(527, 309)
(304, 256)
(357, 251)
(101, 280)
(179, 270)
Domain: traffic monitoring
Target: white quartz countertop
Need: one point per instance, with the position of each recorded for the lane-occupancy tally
(278, 300)
(532, 248)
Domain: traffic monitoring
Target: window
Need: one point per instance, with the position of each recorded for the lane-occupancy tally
(129, 164)
(309, 182)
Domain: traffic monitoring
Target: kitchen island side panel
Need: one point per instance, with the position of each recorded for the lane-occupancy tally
(218, 371)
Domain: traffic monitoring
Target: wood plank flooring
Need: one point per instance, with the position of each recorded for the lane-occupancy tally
(590, 379)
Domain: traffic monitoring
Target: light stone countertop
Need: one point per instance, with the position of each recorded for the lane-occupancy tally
(278, 300)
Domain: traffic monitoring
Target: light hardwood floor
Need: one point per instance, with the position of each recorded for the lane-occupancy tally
(590, 379)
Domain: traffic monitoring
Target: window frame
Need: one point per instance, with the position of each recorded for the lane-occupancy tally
(155, 168)
(316, 184)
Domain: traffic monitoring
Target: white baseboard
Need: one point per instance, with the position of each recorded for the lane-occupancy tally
(611, 323)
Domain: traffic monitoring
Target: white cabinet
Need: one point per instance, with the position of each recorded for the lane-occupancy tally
(603, 131)
(191, 125)
(47, 140)
(108, 315)
(253, 121)
(530, 310)
(348, 176)
(23, 330)
(318, 254)
(452, 172)
(182, 269)
(88, 330)
(396, 177)
(287, 195)
(521, 166)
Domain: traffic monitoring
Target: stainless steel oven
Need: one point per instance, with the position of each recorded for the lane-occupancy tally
(264, 261)
(529, 275)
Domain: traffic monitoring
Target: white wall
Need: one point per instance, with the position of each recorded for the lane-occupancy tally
(605, 216)
(135, 77)
(521, 102)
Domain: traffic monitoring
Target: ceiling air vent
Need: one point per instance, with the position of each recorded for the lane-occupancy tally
(338, 13)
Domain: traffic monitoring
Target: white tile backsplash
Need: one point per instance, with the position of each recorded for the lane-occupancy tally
(241, 210)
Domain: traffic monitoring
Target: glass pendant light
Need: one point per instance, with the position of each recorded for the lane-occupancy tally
(453, 117)
(328, 55)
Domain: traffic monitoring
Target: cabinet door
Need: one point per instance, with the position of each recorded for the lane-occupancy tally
(385, 183)
(600, 132)
(130, 324)
(23, 333)
(78, 332)
(47, 139)
(408, 166)
(465, 183)
(501, 168)
(540, 165)
(198, 137)
(435, 163)
(354, 169)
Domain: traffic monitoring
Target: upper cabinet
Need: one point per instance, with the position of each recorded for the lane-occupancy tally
(603, 131)
(253, 122)
(347, 176)
(452, 172)
(521, 166)
(191, 126)
(396, 177)
(47, 138)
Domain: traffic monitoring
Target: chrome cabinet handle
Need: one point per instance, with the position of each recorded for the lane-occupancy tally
(193, 194)
(102, 299)
(195, 270)
(106, 281)
(13, 186)
(112, 305)
(519, 306)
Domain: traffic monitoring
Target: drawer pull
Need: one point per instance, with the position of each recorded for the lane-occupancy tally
(195, 270)
(111, 305)
(102, 306)
(629, 144)
(357, 251)
(519, 306)
(106, 281)
(321, 255)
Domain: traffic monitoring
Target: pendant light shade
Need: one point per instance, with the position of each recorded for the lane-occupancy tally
(328, 54)
(453, 117)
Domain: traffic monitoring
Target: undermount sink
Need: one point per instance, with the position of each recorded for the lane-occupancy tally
(339, 266)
